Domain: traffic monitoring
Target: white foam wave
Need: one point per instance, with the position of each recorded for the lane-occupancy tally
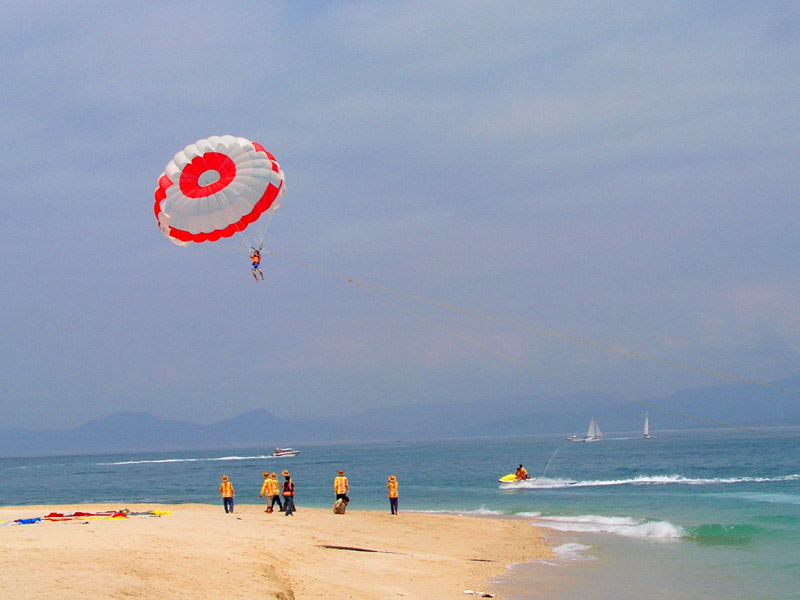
(478, 511)
(624, 526)
(573, 551)
(181, 460)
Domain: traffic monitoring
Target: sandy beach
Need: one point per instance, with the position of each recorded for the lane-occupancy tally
(199, 552)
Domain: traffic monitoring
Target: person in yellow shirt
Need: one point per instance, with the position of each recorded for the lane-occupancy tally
(226, 491)
(267, 490)
(341, 486)
(393, 493)
(276, 493)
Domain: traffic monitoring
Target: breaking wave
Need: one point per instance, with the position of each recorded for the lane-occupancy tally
(624, 526)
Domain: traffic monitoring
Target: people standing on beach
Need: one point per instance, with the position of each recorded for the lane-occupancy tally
(393, 493)
(226, 490)
(276, 493)
(266, 489)
(288, 493)
(341, 486)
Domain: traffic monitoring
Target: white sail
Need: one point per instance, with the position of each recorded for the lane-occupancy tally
(594, 434)
(646, 434)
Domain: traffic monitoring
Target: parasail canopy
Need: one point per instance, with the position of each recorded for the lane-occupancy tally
(215, 188)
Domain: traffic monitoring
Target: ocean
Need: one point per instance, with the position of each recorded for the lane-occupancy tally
(689, 515)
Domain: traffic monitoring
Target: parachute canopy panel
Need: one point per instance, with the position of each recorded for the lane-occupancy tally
(215, 188)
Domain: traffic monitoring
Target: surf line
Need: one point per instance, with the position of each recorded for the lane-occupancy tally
(380, 291)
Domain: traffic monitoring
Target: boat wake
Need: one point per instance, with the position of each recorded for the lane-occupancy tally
(540, 484)
(182, 460)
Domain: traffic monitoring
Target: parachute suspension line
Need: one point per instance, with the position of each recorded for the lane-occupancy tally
(540, 331)
(252, 236)
(573, 380)
(264, 224)
(243, 239)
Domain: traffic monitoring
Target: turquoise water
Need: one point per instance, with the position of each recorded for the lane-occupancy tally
(687, 515)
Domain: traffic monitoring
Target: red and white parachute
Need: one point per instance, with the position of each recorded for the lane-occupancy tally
(218, 187)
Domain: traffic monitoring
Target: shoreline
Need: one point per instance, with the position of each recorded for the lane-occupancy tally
(198, 551)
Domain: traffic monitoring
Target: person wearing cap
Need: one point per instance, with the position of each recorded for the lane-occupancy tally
(276, 493)
(341, 486)
(226, 491)
(266, 489)
(392, 487)
(288, 493)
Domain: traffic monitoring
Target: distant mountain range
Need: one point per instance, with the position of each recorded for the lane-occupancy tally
(743, 405)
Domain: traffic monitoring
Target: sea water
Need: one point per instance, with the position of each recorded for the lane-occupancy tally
(690, 515)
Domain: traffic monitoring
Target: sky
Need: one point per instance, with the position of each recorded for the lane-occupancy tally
(624, 173)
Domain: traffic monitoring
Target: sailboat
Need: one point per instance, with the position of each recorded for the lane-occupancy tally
(593, 435)
(646, 435)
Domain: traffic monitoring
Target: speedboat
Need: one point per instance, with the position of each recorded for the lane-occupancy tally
(281, 452)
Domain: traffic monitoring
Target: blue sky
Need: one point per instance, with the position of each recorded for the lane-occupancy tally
(620, 172)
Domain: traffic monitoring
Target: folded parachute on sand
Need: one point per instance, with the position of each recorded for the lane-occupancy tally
(84, 516)
(109, 514)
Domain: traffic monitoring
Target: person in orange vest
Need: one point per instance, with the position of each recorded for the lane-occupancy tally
(522, 473)
(226, 490)
(392, 487)
(288, 493)
(341, 486)
(255, 258)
